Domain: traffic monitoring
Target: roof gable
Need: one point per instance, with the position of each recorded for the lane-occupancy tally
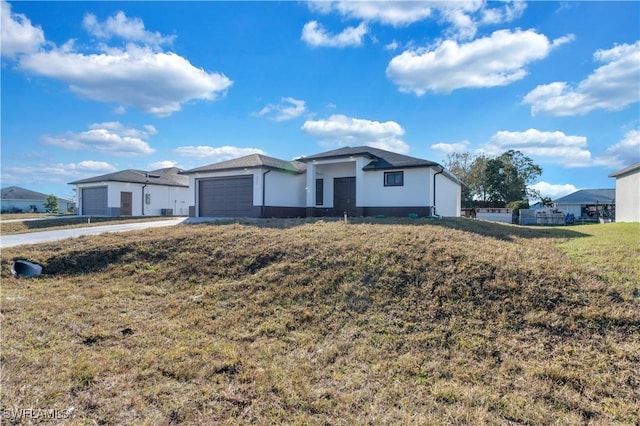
(249, 162)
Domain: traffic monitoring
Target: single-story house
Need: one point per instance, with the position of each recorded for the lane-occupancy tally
(15, 200)
(360, 181)
(134, 193)
(627, 193)
(587, 204)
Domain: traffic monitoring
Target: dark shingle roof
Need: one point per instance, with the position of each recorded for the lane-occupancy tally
(251, 161)
(168, 176)
(17, 193)
(589, 196)
(380, 159)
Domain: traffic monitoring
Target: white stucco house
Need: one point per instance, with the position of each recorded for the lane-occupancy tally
(588, 204)
(16, 199)
(627, 193)
(360, 181)
(162, 192)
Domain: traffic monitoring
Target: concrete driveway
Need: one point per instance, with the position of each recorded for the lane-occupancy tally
(47, 236)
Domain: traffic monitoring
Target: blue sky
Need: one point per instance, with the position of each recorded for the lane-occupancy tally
(93, 87)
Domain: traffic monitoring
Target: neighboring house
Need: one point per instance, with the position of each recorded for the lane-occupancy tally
(360, 181)
(588, 204)
(134, 193)
(628, 193)
(16, 199)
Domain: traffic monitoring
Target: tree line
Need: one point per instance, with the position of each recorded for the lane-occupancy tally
(503, 181)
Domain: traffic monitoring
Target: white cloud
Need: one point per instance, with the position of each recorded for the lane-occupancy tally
(394, 13)
(612, 86)
(555, 147)
(553, 191)
(18, 35)
(163, 164)
(138, 75)
(154, 82)
(463, 16)
(217, 154)
(496, 60)
(450, 148)
(120, 26)
(623, 153)
(316, 35)
(54, 172)
(93, 166)
(108, 138)
(340, 130)
(287, 109)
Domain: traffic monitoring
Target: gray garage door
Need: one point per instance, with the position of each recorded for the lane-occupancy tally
(94, 201)
(226, 197)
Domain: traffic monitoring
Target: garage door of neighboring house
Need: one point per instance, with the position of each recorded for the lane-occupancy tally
(226, 197)
(94, 201)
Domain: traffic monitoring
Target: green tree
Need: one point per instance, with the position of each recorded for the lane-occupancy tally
(51, 204)
(546, 202)
(471, 171)
(508, 178)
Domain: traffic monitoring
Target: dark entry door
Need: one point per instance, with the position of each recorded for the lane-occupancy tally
(125, 203)
(344, 196)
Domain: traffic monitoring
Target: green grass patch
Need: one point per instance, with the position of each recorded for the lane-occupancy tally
(609, 251)
(317, 322)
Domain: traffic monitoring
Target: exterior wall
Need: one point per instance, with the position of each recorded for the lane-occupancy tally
(283, 189)
(416, 190)
(628, 197)
(22, 205)
(575, 209)
(161, 197)
(448, 196)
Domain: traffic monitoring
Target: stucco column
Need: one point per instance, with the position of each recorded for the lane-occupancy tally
(311, 184)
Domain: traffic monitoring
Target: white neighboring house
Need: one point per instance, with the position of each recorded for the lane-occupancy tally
(588, 204)
(627, 193)
(361, 181)
(16, 199)
(162, 192)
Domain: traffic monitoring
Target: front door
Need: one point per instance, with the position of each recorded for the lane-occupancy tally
(344, 196)
(125, 203)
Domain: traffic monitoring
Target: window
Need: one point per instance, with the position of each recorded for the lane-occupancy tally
(319, 192)
(394, 179)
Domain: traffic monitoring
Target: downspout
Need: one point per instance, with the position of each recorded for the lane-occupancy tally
(433, 213)
(264, 190)
(143, 187)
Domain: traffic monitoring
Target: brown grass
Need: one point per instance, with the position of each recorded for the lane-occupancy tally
(320, 323)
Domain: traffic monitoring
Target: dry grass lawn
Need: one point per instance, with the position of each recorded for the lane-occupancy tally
(318, 322)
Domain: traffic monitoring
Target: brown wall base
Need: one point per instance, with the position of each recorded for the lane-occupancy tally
(290, 212)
